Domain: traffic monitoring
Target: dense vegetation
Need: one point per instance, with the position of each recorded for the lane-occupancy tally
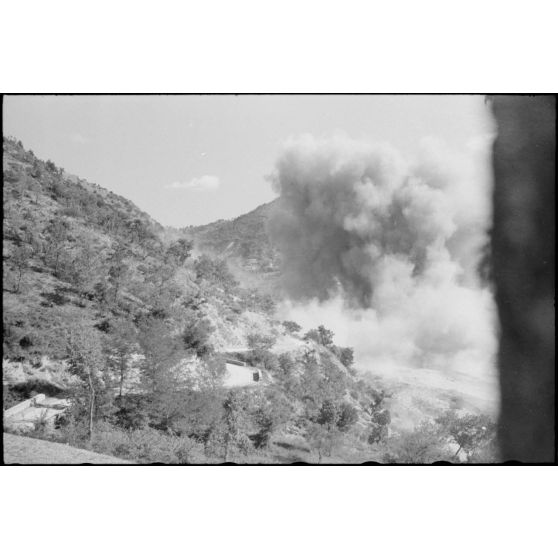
(131, 319)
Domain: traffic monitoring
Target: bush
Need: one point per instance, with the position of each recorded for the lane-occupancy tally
(146, 445)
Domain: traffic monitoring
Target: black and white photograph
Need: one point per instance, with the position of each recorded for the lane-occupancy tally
(278, 279)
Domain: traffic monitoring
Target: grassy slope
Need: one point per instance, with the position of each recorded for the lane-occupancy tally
(31, 451)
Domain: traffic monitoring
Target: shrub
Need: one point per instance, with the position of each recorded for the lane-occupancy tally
(146, 445)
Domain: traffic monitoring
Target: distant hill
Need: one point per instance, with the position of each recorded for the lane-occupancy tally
(244, 239)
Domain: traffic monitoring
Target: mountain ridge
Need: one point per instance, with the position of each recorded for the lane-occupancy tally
(243, 238)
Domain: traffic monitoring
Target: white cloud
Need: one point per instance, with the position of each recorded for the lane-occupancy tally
(204, 183)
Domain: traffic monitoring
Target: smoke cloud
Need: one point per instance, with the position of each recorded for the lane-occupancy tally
(384, 251)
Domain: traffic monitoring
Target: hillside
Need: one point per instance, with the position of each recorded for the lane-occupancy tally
(66, 242)
(244, 238)
(134, 324)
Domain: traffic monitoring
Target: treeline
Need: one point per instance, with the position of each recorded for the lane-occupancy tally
(172, 414)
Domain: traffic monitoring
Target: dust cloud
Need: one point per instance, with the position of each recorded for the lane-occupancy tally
(384, 250)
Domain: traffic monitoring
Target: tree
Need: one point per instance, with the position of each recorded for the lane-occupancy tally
(371, 401)
(424, 444)
(320, 382)
(132, 412)
(234, 420)
(202, 418)
(178, 252)
(272, 411)
(57, 237)
(50, 166)
(467, 431)
(291, 327)
(322, 438)
(286, 364)
(321, 335)
(163, 378)
(196, 335)
(157, 275)
(121, 345)
(328, 414)
(118, 269)
(85, 360)
(20, 260)
(348, 416)
(333, 415)
(87, 265)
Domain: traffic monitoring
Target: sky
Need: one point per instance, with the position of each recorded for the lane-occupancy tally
(191, 160)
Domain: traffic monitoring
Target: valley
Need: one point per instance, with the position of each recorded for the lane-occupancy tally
(168, 343)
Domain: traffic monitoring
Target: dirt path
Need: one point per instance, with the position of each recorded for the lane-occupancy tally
(23, 450)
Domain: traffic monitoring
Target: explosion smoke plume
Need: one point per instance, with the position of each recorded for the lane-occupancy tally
(386, 249)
